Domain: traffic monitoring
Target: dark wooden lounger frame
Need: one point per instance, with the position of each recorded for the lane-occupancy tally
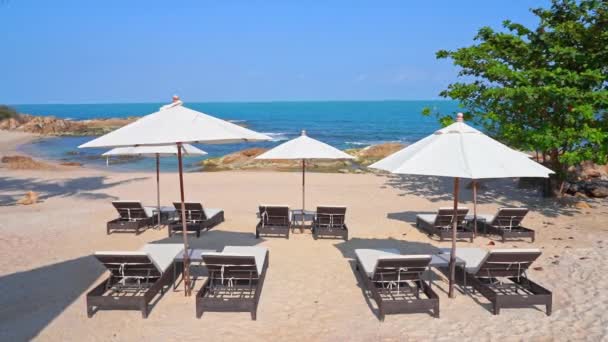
(507, 224)
(411, 270)
(243, 294)
(103, 297)
(519, 292)
(274, 221)
(132, 218)
(443, 225)
(330, 222)
(196, 219)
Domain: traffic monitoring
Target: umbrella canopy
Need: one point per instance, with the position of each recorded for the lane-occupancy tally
(155, 151)
(173, 125)
(176, 125)
(152, 151)
(304, 147)
(461, 151)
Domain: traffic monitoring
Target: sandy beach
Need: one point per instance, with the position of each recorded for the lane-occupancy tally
(311, 291)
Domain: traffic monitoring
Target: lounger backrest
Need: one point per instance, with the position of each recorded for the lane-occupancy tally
(445, 215)
(194, 211)
(507, 262)
(400, 268)
(509, 217)
(274, 215)
(130, 210)
(236, 267)
(129, 264)
(331, 216)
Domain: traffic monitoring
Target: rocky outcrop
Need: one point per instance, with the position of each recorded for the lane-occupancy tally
(591, 188)
(49, 125)
(29, 198)
(371, 154)
(24, 163)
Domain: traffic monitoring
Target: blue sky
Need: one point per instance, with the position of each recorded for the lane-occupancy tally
(142, 51)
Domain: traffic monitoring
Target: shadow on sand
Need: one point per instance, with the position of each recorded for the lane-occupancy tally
(503, 192)
(82, 187)
(32, 299)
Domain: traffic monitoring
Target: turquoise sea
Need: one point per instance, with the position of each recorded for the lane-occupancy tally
(343, 124)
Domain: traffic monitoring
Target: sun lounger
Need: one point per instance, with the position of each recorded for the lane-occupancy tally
(330, 221)
(275, 220)
(236, 278)
(133, 217)
(135, 278)
(197, 218)
(507, 223)
(441, 224)
(395, 281)
(500, 276)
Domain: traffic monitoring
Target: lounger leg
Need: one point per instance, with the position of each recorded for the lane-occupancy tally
(144, 311)
(89, 311)
(253, 315)
(437, 310)
(549, 308)
(503, 238)
(380, 313)
(496, 308)
(257, 234)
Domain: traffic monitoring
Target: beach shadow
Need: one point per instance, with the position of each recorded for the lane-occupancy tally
(503, 192)
(348, 248)
(83, 187)
(32, 299)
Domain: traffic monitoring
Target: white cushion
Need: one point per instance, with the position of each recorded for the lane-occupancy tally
(473, 257)
(368, 258)
(515, 250)
(259, 253)
(488, 218)
(209, 212)
(149, 211)
(163, 254)
(428, 218)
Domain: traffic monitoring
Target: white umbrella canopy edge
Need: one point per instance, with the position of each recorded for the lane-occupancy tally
(304, 148)
(460, 151)
(157, 152)
(175, 125)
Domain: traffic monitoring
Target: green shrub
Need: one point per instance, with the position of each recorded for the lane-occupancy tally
(7, 112)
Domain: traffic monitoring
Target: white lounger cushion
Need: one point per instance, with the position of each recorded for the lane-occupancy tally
(428, 218)
(368, 258)
(259, 253)
(209, 212)
(161, 255)
(475, 257)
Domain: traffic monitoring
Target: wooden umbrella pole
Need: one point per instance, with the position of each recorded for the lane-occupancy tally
(186, 276)
(454, 228)
(474, 208)
(158, 188)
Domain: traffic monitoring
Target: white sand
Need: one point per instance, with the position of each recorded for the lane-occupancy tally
(311, 291)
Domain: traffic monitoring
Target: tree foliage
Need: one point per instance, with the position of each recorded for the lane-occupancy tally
(543, 88)
(7, 112)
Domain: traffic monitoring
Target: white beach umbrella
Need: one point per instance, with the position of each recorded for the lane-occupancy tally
(175, 124)
(461, 151)
(304, 147)
(157, 152)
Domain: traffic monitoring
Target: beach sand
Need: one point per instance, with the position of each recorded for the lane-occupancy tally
(311, 291)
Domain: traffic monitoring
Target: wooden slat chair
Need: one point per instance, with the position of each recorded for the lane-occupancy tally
(275, 220)
(507, 224)
(198, 218)
(135, 278)
(396, 282)
(236, 278)
(441, 224)
(501, 278)
(330, 221)
(132, 217)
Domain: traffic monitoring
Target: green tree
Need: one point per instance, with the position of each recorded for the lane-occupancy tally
(543, 88)
(7, 112)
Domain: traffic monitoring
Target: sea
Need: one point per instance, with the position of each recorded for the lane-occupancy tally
(342, 124)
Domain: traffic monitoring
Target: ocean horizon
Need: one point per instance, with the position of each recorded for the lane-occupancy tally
(343, 124)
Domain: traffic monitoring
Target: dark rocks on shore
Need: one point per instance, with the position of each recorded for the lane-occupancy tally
(592, 188)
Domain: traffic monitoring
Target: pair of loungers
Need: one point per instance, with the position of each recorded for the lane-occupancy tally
(236, 277)
(397, 285)
(134, 217)
(505, 223)
(276, 220)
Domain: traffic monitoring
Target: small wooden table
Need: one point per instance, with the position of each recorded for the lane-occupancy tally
(304, 217)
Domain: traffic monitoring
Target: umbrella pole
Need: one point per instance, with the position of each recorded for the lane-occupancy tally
(303, 189)
(158, 187)
(186, 275)
(453, 251)
(474, 208)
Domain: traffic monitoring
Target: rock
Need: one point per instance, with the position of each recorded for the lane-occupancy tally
(71, 164)
(343, 171)
(371, 154)
(30, 197)
(49, 125)
(24, 163)
(582, 205)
